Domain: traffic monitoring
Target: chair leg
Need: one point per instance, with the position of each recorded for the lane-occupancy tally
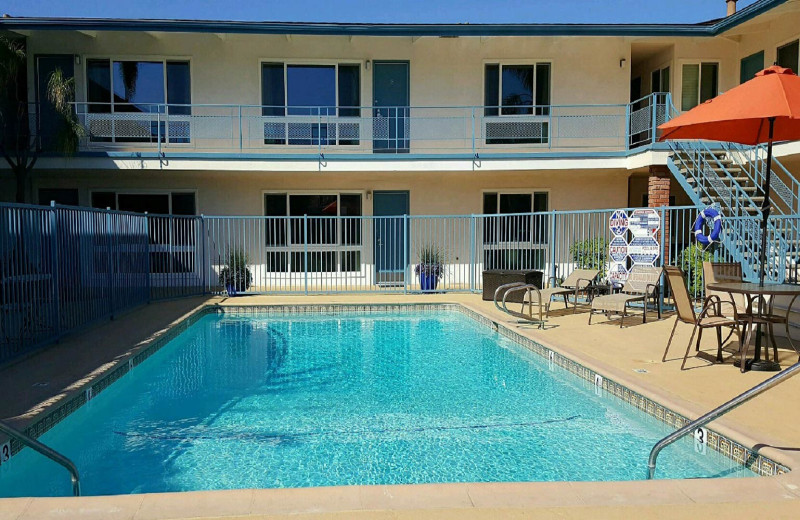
(699, 338)
(745, 346)
(774, 345)
(644, 319)
(622, 318)
(591, 311)
(719, 344)
(566, 304)
(669, 342)
(689, 346)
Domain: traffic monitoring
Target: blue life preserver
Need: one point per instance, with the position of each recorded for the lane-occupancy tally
(697, 229)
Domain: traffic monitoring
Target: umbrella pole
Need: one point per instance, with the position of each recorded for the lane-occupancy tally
(765, 208)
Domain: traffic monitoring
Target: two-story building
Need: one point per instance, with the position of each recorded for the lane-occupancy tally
(292, 119)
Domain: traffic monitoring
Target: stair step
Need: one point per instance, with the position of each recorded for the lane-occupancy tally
(741, 181)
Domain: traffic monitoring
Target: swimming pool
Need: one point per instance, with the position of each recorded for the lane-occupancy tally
(294, 400)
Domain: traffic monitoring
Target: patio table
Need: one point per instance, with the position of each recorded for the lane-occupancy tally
(762, 316)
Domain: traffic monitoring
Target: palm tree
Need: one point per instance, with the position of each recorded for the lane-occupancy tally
(20, 144)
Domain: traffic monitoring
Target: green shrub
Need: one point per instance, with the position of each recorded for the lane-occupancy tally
(236, 272)
(691, 260)
(590, 254)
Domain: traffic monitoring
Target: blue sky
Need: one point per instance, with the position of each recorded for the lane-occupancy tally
(386, 11)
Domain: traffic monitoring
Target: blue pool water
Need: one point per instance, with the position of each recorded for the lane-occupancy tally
(257, 401)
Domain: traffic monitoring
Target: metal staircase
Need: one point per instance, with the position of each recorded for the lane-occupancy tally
(729, 176)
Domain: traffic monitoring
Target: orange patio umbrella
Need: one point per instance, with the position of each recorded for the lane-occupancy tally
(762, 110)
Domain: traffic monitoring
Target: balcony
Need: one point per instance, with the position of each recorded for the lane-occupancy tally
(374, 132)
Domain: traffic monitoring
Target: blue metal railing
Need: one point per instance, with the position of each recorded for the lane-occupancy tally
(430, 130)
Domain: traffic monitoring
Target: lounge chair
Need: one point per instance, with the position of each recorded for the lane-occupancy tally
(642, 284)
(710, 316)
(573, 284)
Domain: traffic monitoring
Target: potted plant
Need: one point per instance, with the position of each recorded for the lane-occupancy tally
(236, 276)
(430, 268)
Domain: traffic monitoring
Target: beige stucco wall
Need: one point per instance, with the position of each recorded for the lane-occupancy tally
(434, 193)
(443, 71)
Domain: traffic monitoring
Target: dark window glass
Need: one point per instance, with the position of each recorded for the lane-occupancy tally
(104, 199)
(655, 81)
(491, 90)
(138, 86)
(179, 87)
(275, 206)
(788, 55)
(157, 203)
(542, 89)
(515, 202)
(490, 203)
(708, 81)
(349, 90)
(540, 201)
(319, 230)
(351, 227)
(273, 96)
(63, 196)
(351, 261)
(664, 80)
(311, 89)
(98, 85)
(179, 95)
(183, 204)
(517, 94)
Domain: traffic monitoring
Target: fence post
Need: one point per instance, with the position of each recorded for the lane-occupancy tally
(628, 126)
(472, 265)
(552, 237)
(305, 251)
(158, 131)
(664, 237)
(109, 241)
(653, 114)
(241, 138)
(203, 267)
(149, 274)
(473, 132)
(54, 260)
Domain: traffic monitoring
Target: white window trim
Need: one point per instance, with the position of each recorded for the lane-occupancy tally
(514, 191)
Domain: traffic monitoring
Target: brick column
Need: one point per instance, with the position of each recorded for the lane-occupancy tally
(657, 197)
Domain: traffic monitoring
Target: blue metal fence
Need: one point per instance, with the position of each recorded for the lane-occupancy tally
(62, 268)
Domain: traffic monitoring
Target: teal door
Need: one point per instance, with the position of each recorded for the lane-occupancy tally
(49, 122)
(390, 244)
(390, 125)
(750, 65)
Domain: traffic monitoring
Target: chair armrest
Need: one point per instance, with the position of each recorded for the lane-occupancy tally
(554, 280)
(578, 283)
(709, 303)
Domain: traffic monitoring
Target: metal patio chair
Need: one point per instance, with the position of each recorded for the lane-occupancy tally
(710, 316)
(578, 280)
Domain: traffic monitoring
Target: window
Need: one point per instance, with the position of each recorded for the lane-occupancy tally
(322, 92)
(517, 90)
(787, 55)
(749, 66)
(698, 84)
(515, 238)
(61, 196)
(138, 87)
(330, 240)
(659, 80)
(646, 200)
(172, 240)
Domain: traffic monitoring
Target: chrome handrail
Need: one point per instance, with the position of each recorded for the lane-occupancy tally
(47, 452)
(717, 412)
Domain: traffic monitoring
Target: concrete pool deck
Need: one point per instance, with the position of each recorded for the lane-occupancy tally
(770, 422)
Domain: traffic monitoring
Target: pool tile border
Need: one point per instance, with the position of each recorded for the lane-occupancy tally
(731, 449)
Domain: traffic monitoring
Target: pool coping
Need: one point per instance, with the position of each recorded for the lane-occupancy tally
(767, 460)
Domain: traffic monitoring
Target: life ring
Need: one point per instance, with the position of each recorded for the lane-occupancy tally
(697, 229)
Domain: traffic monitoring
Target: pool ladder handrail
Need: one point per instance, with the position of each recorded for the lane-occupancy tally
(516, 287)
(47, 452)
(717, 412)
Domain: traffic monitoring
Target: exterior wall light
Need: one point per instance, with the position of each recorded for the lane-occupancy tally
(622, 63)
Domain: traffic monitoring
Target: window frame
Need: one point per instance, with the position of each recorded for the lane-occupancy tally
(660, 69)
(338, 248)
(111, 58)
(699, 64)
(146, 191)
(515, 63)
(494, 249)
(288, 62)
